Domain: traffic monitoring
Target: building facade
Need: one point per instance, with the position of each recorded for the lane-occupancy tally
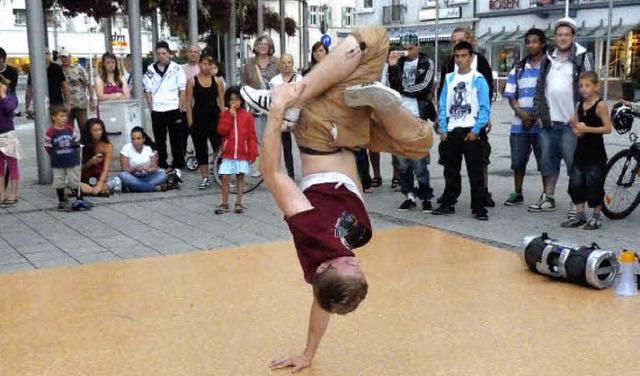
(81, 35)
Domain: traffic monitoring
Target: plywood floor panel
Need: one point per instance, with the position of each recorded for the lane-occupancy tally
(438, 305)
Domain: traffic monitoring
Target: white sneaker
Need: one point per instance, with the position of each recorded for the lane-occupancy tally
(204, 184)
(374, 95)
(260, 101)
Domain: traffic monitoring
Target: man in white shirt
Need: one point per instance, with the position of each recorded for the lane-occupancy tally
(554, 104)
(164, 84)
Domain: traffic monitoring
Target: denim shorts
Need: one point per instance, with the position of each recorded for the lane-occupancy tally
(522, 144)
(556, 143)
(586, 184)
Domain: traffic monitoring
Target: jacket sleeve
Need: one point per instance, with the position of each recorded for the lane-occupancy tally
(147, 81)
(48, 136)
(442, 107)
(421, 89)
(8, 105)
(484, 105)
(443, 75)
(253, 139)
(485, 70)
(225, 123)
(395, 79)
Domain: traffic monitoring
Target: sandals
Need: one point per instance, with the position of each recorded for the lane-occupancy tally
(238, 209)
(376, 182)
(395, 184)
(222, 208)
(9, 202)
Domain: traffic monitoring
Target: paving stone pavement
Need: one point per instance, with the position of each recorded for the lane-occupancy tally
(33, 235)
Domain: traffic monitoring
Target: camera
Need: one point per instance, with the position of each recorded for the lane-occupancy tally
(402, 53)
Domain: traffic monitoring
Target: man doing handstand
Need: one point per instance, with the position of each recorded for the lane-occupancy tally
(326, 213)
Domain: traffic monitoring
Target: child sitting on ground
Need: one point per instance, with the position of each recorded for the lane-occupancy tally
(239, 147)
(63, 150)
(586, 180)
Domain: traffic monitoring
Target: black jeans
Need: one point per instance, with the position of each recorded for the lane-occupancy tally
(171, 121)
(288, 155)
(453, 149)
(362, 164)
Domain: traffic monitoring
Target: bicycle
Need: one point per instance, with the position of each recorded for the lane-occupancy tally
(620, 196)
(251, 180)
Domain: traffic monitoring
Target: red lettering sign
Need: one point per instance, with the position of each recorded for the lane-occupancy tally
(503, 4)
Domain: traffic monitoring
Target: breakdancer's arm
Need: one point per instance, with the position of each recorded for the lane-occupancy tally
(285, 192)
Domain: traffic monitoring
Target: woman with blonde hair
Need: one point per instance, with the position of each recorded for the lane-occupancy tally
(287, 74)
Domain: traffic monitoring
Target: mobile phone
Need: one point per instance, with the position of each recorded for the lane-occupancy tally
(99, 155)
(402, 53)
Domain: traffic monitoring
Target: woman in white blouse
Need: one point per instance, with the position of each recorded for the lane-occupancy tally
(139, 162)
(285, 66)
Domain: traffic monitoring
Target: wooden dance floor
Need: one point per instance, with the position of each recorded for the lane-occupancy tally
(438, 305)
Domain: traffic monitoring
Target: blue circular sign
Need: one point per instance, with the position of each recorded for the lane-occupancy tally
(326, 40)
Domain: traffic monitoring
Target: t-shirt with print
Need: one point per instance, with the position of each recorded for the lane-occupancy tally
(62, 147)
(462, 101)
(137, 159)
(409, 79)
(337, 224)
(526, 87)
(78, 80)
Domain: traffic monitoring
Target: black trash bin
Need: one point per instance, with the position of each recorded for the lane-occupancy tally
(628, 90)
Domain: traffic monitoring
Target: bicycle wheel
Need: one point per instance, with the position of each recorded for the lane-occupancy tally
(251, 180)
(621, 197)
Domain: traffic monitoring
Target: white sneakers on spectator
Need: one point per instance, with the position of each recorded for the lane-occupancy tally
(260, 100)
(373, 94)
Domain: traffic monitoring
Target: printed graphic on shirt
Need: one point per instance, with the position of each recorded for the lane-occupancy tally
(349, 230)
(409, 73)
(461, 104)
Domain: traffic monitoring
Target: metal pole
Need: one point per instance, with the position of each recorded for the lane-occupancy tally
(260, 28)
(233, 50)
(54, 19)
(566, 8)
(305, 33)
(193, 21)
(107, 29)
(39, 87)
(436, 72)
(283, 35)
(608, 53)
(135, 44)
(154, 30)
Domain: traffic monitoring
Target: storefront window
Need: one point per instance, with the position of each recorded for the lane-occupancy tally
(506, 55)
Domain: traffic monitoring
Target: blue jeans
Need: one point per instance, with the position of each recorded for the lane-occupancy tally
(521, 146)
(137, 182)
(557, 143)
(419, 167)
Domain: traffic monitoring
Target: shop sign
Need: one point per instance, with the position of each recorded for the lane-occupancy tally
(430, 14)
(503, 4)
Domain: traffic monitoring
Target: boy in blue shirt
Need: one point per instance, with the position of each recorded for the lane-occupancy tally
(63, 150)
(520, 88)
(463, 114)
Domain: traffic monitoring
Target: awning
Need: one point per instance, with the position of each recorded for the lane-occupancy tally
(425, 33)
(599, 32)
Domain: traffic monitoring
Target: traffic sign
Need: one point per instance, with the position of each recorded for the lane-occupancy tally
(326, 40)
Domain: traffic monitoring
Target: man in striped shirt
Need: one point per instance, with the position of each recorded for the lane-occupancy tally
(520, 88)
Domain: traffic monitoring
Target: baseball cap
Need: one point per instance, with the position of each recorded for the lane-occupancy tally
(409, 38)
(64, 53)
(565, 21)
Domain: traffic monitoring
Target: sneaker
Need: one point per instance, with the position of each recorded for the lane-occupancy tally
(515, 198)
(259, 100)
(572, 211)
(593, 224)
(205, 183)
(374, 95)
(481, 215)
(444, 209)
(426, 206)
(576, 222)
(117, 186)
(545, 204)
(60, 206)
(489, 203)
(408, 204)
